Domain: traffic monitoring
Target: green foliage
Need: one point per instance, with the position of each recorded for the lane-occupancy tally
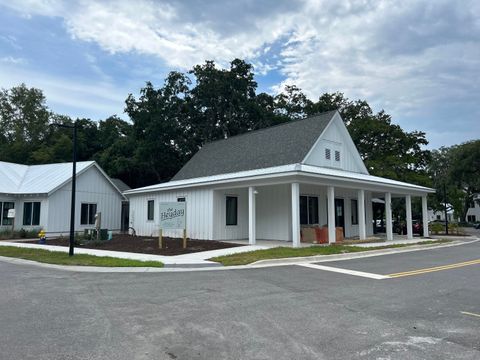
(436, 228)
(19, 234)
(288, 252)
(169, 124)
(456, 173)
(62, 258)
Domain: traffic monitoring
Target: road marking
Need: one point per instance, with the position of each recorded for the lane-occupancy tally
(469, 313)
(346, 271)
(433, 269)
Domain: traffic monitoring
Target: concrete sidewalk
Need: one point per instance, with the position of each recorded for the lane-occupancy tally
(198, 259)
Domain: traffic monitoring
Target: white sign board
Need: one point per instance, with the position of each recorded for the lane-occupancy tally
(11, 213)
(173, 215)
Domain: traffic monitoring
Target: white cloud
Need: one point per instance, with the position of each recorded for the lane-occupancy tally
(400, 56)
(13, 60)
(73, 97)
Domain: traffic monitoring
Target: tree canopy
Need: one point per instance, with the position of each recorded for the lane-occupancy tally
(168, 124)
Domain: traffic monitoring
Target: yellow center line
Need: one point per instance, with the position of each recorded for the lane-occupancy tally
(436, 268)
(470, 313)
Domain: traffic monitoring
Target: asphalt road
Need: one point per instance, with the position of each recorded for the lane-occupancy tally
(289, 312)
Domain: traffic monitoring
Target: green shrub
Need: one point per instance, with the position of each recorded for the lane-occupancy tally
(436, 228)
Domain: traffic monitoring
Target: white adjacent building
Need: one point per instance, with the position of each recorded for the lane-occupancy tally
(268, 184)
(473, 212)
(41, 197)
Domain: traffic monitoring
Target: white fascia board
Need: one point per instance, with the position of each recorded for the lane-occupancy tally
(219, 179)
(366, 180)
(282, 171)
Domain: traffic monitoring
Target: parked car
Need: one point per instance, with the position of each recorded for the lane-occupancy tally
(400, 228)
(477, 226)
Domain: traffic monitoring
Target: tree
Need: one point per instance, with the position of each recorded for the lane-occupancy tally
(157, 118)
(24, 119)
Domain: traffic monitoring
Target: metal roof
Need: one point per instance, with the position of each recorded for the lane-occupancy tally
(282, 144)
(37, 179)
(285, 170)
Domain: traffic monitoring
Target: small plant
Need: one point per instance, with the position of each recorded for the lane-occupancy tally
(436, 228)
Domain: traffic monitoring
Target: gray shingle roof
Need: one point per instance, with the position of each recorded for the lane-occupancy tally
(278, 145)
(120, 185)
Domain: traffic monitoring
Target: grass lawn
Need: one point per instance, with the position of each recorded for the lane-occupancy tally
(288, 252)
(62, 258)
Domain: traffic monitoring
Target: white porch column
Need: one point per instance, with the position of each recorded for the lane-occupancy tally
(331, 214)
(388, 215)
(295, 215)
(408, 215)
(362, 233)
(425, 216)
(251, 216)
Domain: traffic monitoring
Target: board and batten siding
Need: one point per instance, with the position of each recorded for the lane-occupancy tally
(91, 187)
(19, 203)
(334, 138)
(199, 213)
(273, 212)
(222, 231)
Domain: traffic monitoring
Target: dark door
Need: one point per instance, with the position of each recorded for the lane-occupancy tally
(125, 215)
(340, 214)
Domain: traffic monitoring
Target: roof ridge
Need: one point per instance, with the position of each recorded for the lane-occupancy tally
(270, 127)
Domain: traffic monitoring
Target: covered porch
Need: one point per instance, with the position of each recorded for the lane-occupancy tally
(279, 210)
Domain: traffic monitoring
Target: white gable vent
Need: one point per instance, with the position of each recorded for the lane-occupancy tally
(327, 154)
(337, 156)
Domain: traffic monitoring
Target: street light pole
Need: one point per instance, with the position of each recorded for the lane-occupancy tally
(74, 177)
(445, 207)
(74, 183)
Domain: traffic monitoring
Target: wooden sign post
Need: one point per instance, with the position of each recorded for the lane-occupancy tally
(173, 216)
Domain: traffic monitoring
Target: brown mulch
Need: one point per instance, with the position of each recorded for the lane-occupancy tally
(148, 245)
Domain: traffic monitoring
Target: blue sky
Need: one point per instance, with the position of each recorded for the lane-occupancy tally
(417, 60)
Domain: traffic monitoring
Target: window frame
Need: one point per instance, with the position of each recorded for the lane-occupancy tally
(227, 222)
(4, 220)
(90, 220)
(309, 217)
(354, 211)
(151, 201)
(34, 218)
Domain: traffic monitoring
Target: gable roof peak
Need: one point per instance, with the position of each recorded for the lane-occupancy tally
(282, 144)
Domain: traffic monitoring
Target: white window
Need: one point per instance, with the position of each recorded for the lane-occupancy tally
(31, 213)
(337, 156)
(87, 214)
(231, 210)
(4, 207)
(308, 210)
(150, 210)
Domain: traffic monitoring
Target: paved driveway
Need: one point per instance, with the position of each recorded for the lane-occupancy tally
(289, 312)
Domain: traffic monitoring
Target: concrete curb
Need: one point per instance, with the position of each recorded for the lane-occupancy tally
(367, 253)
(219, 267)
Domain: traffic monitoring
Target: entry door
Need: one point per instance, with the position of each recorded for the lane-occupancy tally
(340, 214)
(125, 216)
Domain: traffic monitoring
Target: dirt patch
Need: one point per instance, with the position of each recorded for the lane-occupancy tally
(148, 245)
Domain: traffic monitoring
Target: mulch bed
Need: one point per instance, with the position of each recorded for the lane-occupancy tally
(148, 245)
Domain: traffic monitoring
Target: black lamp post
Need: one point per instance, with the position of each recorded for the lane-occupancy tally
(74, 176)
(445, 207)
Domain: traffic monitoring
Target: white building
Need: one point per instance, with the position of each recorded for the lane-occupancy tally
(41, 197)
(473, 213)
(267, 184)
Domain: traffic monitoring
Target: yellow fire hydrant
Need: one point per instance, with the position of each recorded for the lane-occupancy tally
(42, 237)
